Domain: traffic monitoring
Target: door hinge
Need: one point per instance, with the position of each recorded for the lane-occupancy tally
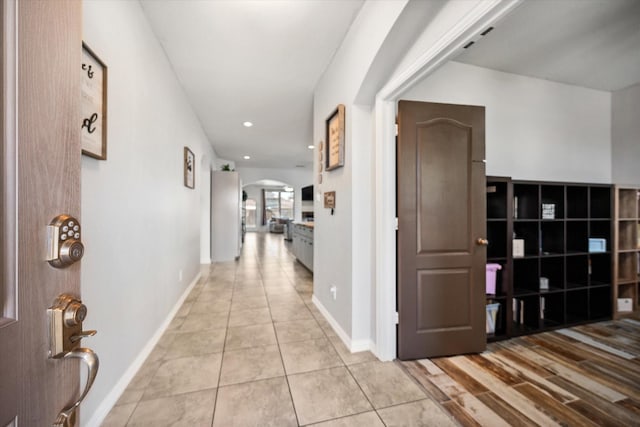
(396, 223)
(396, 319)
(396, 129)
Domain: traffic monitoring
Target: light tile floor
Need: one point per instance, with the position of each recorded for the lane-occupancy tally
(249, 348)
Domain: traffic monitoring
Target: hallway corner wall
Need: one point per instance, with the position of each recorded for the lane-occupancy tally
(141, 224)
(625, 142)
(343, 242)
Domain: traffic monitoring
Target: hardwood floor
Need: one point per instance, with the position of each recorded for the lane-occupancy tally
(583, 376)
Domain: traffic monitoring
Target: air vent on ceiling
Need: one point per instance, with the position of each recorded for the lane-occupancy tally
(487, 31)
(468, 45)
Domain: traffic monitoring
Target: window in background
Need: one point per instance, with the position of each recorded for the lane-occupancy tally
(278, 204)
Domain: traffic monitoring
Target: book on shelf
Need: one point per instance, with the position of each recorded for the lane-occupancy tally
(518, 310)
(542, 307)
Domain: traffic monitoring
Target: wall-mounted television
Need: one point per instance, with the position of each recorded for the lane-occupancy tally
(307, 193)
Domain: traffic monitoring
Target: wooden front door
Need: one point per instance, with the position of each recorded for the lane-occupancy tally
(40, 179)
(441, 216)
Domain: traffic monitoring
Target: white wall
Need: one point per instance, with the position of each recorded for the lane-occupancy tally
(141, 224)
(294, 177)
(351, 226)
(625, 135)
(535, 129)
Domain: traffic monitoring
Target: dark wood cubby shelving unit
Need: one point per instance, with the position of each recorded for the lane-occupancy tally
(580, 281)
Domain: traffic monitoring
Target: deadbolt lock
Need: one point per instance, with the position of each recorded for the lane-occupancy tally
(65, 324)
(64, 244)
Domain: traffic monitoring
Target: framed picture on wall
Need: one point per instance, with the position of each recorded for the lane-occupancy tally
(334, 154)
(189, 168)
(93, 105)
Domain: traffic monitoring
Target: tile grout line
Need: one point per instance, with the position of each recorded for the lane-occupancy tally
(224, 345)
(284, 369)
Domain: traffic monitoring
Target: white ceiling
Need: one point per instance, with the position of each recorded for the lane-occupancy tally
(259, 60)
(255, 61)
(589, 43)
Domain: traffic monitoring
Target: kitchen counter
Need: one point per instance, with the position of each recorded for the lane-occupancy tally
(303, 243)
(304, 224)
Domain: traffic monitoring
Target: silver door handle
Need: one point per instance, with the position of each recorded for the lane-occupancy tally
(66, 417)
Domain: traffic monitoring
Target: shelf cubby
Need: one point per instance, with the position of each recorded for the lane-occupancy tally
(553, 269)
(501, 318)
(627, 267)
(552, 195)
(577, 306)
(497, 236)
(577, 236)
(527, 313)
(526, 201)
(577, 271)
(552, 309)
(600, 202)
(601, 229)
(628, 203)
(552, 238)
(627, 235)
(600, 303)
(525, 276)
(497, 200)
(599, 269)
(528, 230)
(577, 202)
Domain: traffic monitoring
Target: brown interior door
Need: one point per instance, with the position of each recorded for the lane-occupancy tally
(441, 216)
(40, 179)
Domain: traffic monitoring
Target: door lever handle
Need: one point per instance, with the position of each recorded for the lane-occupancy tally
(66, 417)
(84, 334)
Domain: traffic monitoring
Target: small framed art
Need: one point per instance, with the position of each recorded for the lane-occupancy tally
(93, 105)
(189, 168)
(334, 154)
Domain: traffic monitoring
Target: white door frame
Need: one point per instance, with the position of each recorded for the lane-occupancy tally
(485, 14)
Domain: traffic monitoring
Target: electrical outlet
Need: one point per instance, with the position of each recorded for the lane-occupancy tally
(334, 292)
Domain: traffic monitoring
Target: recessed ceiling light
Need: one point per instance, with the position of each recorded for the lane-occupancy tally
(311, 147)
(247, 124)
(246, 157)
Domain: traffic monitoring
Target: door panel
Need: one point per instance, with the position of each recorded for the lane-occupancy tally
(441, 214)
(442, 285)
(441, 144)
(48, 183)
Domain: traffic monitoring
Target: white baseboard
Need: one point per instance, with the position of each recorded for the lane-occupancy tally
(107, 404)
(353, 346)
